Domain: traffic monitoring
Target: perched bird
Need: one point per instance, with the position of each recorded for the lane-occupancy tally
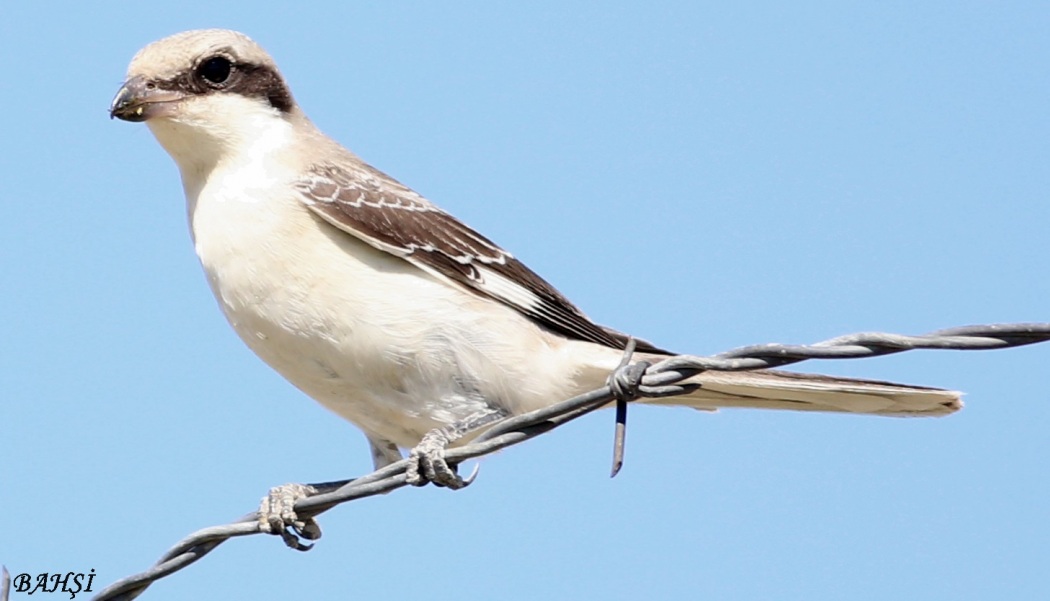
(375, 302)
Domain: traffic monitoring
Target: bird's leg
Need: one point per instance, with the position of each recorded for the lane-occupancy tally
(384, 452)
(427, 460)
(277, 511)
(277, 515)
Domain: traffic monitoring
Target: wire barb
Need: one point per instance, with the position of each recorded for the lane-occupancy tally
(628, 382)
(624, 383)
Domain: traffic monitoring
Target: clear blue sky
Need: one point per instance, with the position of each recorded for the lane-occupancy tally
(701, 177)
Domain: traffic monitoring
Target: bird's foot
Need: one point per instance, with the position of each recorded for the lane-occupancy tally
(277, 516)
(427, 463)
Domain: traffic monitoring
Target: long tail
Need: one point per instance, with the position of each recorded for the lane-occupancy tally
(769, 389)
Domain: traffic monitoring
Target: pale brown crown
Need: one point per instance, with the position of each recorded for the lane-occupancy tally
(169, 57)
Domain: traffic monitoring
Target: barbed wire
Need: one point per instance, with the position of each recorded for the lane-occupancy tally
(664, 378)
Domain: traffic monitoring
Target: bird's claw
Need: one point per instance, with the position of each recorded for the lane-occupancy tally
(277, 516)
(427, 464)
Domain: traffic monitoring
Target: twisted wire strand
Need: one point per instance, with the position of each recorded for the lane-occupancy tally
(660, 379)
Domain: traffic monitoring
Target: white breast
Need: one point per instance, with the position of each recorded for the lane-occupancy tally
(373, 338)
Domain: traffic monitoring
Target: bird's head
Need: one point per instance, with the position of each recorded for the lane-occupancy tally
(205, 94)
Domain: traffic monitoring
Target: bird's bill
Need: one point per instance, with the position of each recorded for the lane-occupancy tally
(140, 100)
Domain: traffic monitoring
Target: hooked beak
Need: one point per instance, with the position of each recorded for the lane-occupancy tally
(139, 100)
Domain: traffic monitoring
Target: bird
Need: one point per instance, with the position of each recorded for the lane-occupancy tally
(375, 302)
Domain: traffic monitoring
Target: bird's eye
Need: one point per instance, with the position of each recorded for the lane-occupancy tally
(216, 70)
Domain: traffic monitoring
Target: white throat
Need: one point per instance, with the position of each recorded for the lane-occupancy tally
(231, 141)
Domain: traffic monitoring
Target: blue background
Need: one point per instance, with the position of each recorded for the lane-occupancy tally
(704, 177)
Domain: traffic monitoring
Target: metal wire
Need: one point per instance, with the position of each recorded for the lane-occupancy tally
(661, 379)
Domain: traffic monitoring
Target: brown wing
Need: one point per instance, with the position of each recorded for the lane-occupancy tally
(377, 209)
